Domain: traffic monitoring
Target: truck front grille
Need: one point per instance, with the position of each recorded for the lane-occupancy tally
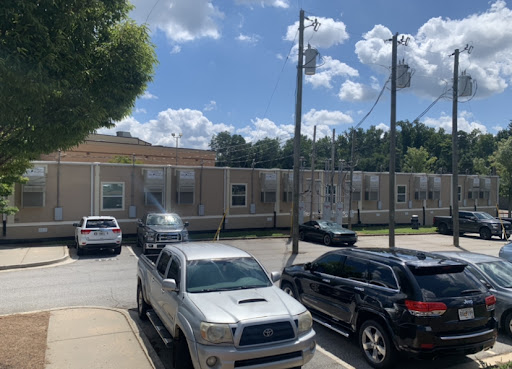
(266, 333)
(168, 237)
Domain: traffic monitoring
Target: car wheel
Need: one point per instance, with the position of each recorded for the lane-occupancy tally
(79, 250)
(377, 348)
(443, 228)
(139, 242)
(288, 288)
(302, 236)
(485, 233)
(351, 243)
(117, 250)
(142, 305)
(507, 326)
(327, 240)
(181, 354)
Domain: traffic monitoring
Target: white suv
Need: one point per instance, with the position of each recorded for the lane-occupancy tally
(98, 233)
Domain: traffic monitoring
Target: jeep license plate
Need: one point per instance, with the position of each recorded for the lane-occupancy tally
(466, 314)
(100, 233)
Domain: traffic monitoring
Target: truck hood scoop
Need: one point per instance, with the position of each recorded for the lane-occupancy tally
(248, 301)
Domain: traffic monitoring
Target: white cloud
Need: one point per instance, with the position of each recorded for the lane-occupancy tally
(498, 128)
(252, 40)
(197, 130)
(330, 33)
(383, 127)
(279, 56)
(328, 69)
(428, 51)
(140, 110)
(275, 3)
(148, 96)
(176, 49)
(181, 21)
(465, 122)
(354, 91)
(324, 120)
(212, 105)
(262, 128)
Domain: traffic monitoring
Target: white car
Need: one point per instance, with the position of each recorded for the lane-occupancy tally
(98, 233)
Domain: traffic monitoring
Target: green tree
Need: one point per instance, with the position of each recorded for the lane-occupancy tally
(503, 165)
(231, 150)
(122, 159)
(418, 161)
(67, 68)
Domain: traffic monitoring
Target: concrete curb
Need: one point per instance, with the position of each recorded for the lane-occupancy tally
(37, 264)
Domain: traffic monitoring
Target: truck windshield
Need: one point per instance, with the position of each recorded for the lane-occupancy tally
(225, 275)
(484, 216)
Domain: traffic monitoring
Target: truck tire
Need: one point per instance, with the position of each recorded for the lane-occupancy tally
(485, 233)
(181, 354)
(142, 305)
(443, 228)
(288, 288)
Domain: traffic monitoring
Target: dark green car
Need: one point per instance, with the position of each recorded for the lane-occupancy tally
(326, 232)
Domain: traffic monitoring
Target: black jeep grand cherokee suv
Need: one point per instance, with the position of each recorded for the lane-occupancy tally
(396, 300)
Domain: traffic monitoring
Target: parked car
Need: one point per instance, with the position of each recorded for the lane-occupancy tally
(396, 301)
(218, 308)
(496, 274)
(98, 233)
(156, 230)
(474, 222)
(326, 232)
(506, 252)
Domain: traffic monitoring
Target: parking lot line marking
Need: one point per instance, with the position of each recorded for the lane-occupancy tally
(132, 252)
(334, 357)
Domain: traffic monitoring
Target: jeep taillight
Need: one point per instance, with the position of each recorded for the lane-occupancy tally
(490, 302)
(428, 309)
(85, 231)
(116, 230)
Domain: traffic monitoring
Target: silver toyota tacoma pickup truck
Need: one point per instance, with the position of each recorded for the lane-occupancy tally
(218, 309)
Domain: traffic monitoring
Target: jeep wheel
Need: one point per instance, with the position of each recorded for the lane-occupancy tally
(79, 250)
(377, 348)
(485, 233)
(181, 354)
(507, 326)
(443, 228)
(327, 240)
(142, 305)
(288, 288)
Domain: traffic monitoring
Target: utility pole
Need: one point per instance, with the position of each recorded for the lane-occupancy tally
(332, 173)
(296, 140)
(312, 188)
(351, 179)
(177, 136)
(455, 154)
(392, 144)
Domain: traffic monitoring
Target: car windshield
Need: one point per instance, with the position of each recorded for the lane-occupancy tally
(164, 220)
(484, 216)
(101, 223)
(225, 275)
(327, 224)
(499, 271)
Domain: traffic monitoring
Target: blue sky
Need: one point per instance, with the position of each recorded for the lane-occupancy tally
(230, 65)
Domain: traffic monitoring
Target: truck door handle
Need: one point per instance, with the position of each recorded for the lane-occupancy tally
(359, 288)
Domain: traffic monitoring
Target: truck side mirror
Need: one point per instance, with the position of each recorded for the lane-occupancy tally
(76, 224)
(139, 222)
(169, 285)
(275, 276)
(307, 266)
(186, 224)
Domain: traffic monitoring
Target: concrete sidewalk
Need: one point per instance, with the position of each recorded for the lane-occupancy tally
(94, 338)
(15, 257)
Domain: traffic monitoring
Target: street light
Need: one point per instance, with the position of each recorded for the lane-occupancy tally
(177, 136)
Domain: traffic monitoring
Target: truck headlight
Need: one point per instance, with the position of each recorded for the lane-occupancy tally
(216, 333)
(495, 225)
(150, 236)
(305, 322)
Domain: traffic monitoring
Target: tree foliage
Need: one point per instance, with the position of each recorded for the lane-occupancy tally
(67, 68)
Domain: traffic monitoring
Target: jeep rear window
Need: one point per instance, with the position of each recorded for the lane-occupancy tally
(446, 282)
(101, 223)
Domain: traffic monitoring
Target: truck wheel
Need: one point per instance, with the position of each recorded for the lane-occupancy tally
(142, 305)
(443, 228)
(302, 236)
(79, 250)
(181, 354)
(144, 250)
(377, 347)
(485, 233)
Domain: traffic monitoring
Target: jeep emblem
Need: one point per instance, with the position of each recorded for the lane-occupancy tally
(268, 332)
(468, 302)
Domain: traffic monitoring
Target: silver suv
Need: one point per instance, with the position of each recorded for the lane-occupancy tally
(98, 233)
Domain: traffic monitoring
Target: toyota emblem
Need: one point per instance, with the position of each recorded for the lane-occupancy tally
(268, 332)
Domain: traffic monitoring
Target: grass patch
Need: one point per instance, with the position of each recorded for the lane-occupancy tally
(384, 230)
